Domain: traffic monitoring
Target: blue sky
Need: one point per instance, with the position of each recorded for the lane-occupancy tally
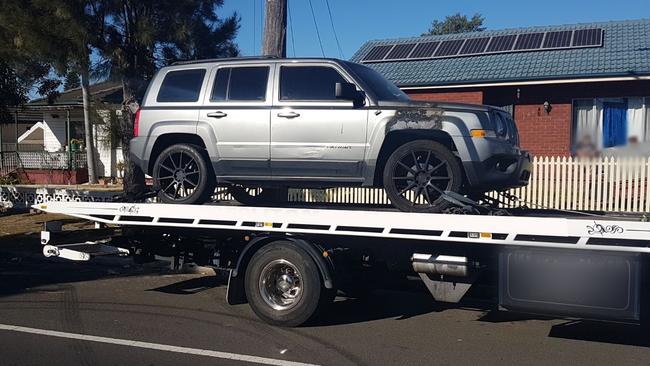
(357, 21)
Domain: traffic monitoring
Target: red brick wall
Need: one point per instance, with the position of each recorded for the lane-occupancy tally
(42, 176)
(544, 134)
(474, 97)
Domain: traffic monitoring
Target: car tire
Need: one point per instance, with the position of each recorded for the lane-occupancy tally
(414, 176)
(250, 196)
(183, 175)
(270, 275)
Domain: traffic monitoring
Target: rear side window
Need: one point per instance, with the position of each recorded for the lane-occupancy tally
(181, 86)
(309, 83)
(240, 84)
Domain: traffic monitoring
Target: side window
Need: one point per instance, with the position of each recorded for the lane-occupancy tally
(181, 86)
(309, 83)
(240, 84)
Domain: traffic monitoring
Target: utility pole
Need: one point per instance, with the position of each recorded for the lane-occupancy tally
(275, 29)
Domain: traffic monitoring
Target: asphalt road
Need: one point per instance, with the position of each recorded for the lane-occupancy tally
(114, 313)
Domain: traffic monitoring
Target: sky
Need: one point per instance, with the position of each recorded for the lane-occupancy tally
(357, 21)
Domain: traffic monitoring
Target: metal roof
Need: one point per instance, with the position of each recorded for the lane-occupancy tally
(625, 52)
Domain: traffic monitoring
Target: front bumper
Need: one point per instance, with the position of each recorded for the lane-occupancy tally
(499, 172)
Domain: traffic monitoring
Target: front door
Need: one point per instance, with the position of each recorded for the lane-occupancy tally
(237, 113)
(314, 135)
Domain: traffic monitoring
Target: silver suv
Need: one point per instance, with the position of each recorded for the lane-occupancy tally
(261, 125)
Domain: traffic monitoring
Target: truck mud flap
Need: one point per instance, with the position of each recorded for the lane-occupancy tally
(600, 286)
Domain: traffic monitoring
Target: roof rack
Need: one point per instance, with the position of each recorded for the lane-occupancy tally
(189, 62)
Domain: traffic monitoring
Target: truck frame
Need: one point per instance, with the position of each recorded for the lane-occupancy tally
(289, 263)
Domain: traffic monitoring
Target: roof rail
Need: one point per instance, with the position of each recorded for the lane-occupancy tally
(189, 62)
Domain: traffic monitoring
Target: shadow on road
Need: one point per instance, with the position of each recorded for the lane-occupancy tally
(615, 333)
(193, 285)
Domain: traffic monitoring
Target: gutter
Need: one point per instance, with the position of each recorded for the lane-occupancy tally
(533, 82)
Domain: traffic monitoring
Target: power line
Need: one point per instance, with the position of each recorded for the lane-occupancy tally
(313, 16)
(336, 37)
(293, 41)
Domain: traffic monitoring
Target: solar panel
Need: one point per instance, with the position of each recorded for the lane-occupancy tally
(558, 39)
(474, 45)
(400, 51)
(482, 45)
(377, 53)
(501, 43)
(529, 41)
(424, 50)
(449, 48)
(588, 37)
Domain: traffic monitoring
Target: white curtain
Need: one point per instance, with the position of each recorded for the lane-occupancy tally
(587, 122)
(635, 121)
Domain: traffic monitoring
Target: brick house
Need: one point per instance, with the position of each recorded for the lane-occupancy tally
(561, 83)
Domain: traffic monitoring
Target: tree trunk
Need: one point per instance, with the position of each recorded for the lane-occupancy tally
(88, 126)
(275, 29)
(134, 183)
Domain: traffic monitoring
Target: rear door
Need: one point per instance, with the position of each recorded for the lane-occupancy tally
(314, 135)
(236, 110)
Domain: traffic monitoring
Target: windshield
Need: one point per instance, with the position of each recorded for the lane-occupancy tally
(383, 89)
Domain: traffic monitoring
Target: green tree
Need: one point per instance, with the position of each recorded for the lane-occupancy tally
(62, 33)
(71, 80)
(456, 23)
(142, 36)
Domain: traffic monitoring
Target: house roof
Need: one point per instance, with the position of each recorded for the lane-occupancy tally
(107, 92)
(625, 52)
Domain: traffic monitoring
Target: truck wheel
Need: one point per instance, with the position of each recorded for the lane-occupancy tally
(182, 175)
(283, 285)
(418, 172)
(252, 196)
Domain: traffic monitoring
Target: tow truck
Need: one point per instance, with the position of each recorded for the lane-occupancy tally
(289, 263)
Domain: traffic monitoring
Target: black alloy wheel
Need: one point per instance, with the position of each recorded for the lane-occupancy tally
(181, 175)
(418, 173)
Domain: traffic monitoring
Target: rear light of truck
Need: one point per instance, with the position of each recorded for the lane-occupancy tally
(136, 123)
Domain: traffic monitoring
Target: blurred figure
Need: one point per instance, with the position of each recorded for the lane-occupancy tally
(586, 148)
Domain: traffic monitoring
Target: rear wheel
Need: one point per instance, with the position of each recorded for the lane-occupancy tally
(255, 196)
(418, 172)
(182, 175)
(284, 286)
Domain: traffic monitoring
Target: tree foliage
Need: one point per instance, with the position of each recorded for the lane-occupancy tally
(456, 23)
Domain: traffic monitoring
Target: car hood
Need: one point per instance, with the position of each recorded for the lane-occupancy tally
(432, 105)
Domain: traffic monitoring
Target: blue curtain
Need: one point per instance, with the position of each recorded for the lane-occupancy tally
(614, 124)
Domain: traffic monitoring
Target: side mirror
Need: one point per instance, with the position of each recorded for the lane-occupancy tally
(348, 91)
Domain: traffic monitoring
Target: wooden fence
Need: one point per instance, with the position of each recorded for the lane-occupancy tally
(603, 184)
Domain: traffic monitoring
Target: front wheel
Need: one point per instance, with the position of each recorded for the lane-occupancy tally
(182, 175)
(418, 173)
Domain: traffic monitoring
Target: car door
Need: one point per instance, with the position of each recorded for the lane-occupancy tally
(314, 135)
(236, 112)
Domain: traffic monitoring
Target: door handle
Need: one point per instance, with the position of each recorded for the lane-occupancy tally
(291, 114)
(217, 114)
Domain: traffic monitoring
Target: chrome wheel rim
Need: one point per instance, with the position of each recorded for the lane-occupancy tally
(420, 177)
(178, 175)
(281, 284)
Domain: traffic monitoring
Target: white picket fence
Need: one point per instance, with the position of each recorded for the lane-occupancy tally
(612, 184)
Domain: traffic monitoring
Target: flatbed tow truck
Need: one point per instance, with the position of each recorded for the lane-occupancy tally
(289, 263)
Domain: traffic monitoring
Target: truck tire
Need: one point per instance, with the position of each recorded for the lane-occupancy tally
(250, 196)
(182, 174)
(416, 174)
(284, 286)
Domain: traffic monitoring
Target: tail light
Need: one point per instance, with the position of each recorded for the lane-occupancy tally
(136, 123)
